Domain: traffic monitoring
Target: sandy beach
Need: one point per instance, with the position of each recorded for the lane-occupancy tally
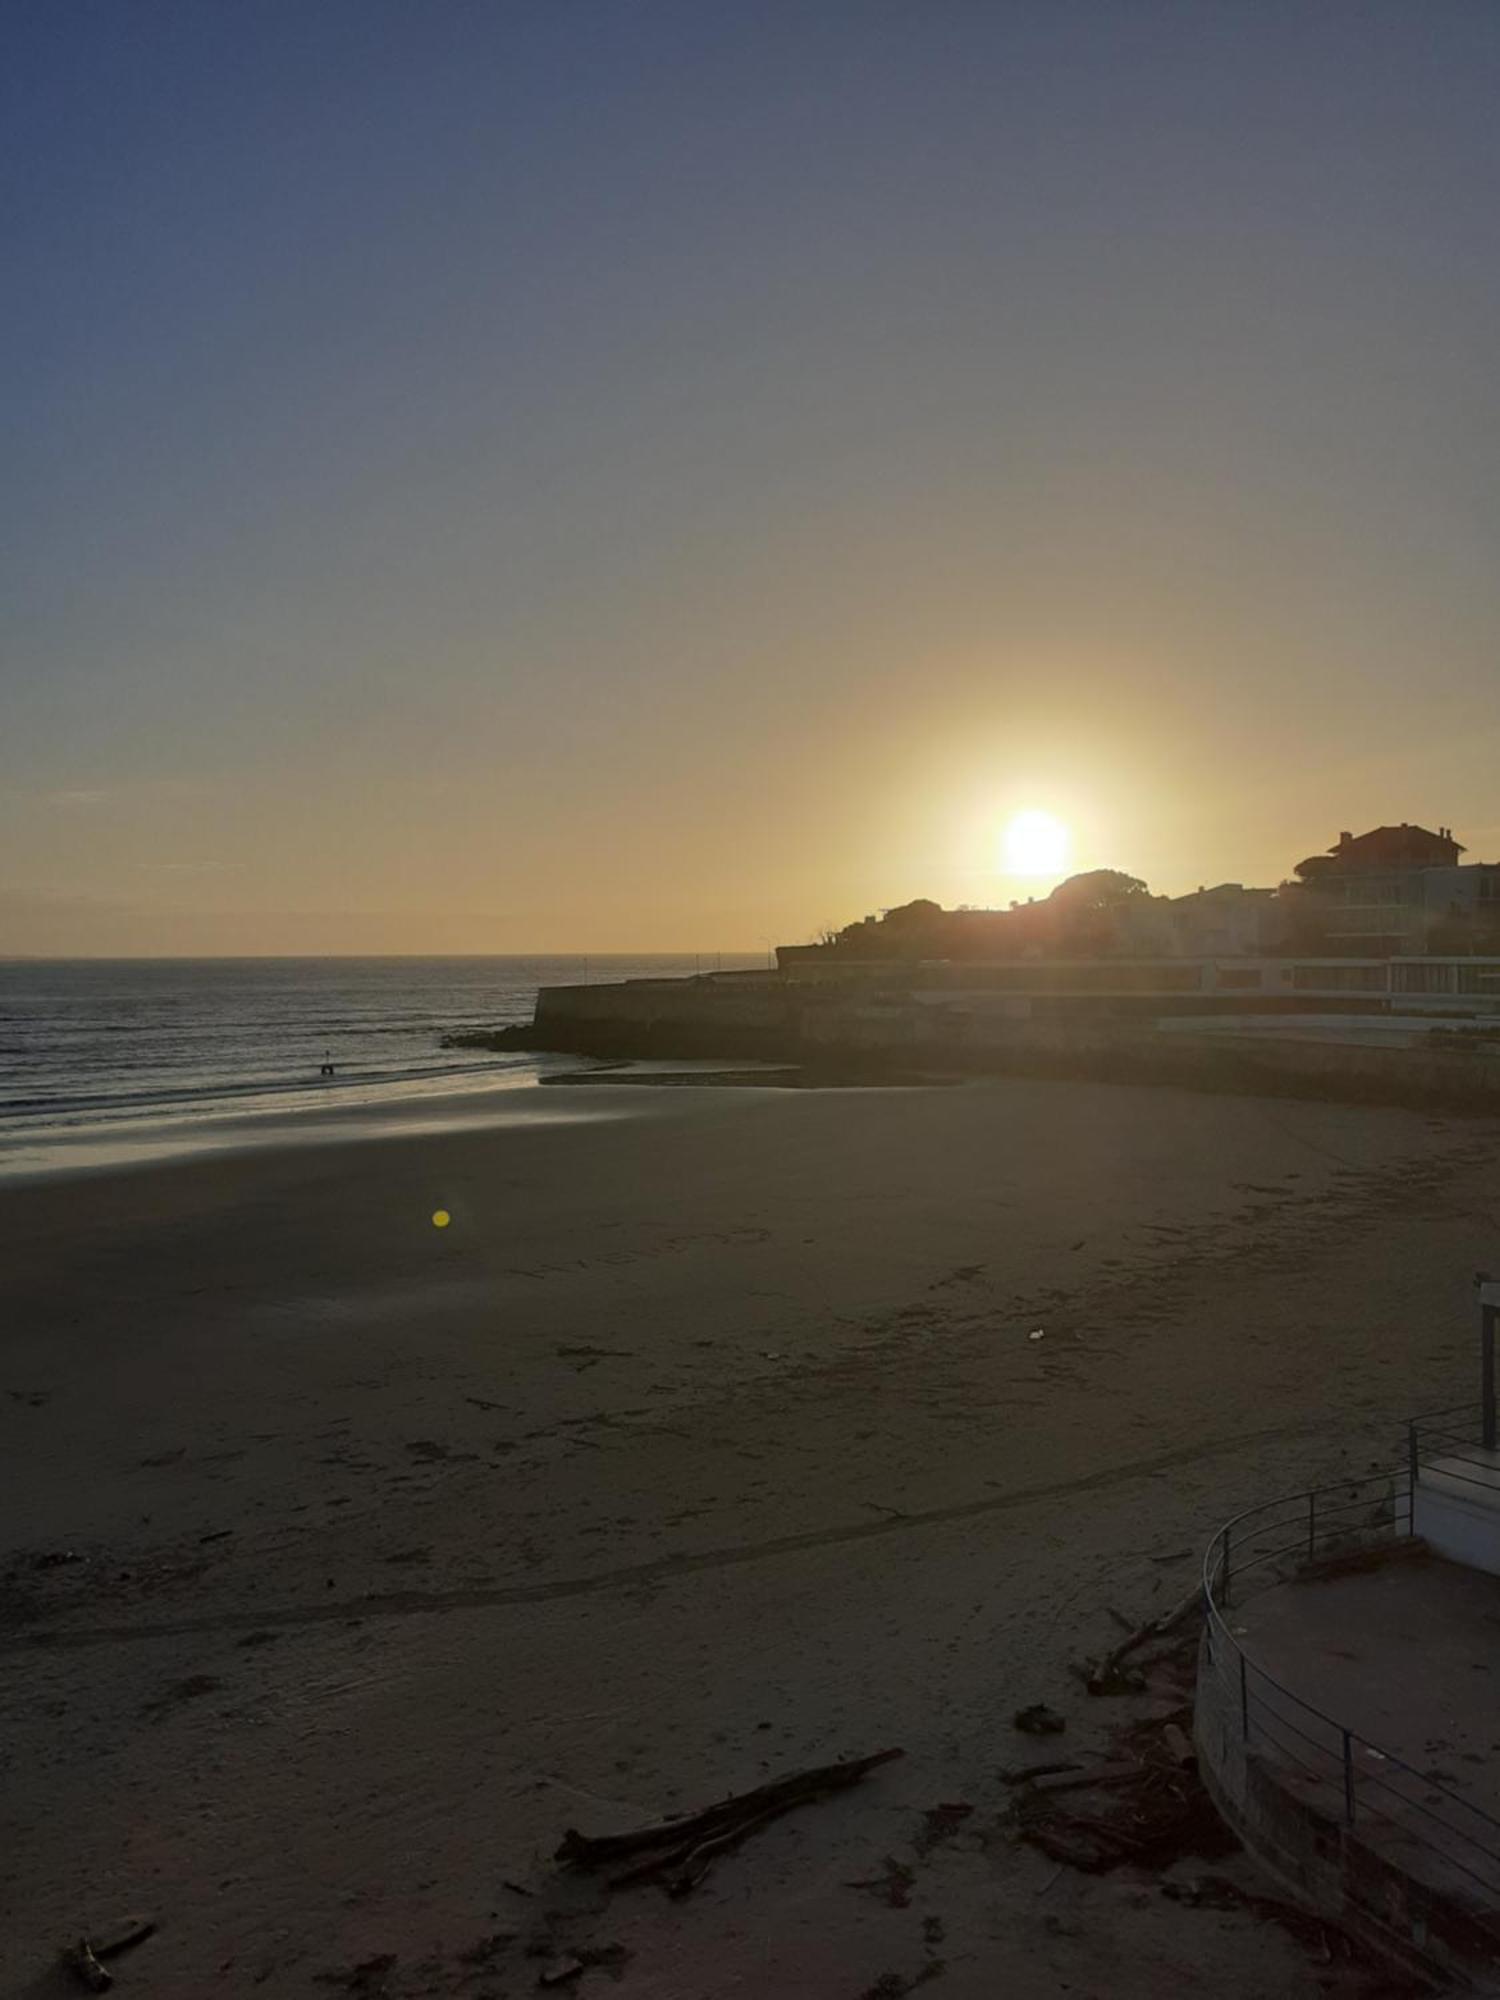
(349, 1560)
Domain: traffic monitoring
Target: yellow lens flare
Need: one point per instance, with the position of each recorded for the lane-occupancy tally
(441, 1218)
(1035, 843)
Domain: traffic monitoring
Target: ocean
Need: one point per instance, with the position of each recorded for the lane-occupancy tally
(90, 1044)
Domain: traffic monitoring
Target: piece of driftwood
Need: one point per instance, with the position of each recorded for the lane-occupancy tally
(1100, 1677)
(681, 1851)
(85, 1960)
(1110, 1675)
(81, 1961)
(1101, 1774)
(562, 1972)
(695, 1864)
(127, 1933)
(1027, 1772)
(683, 1865)
(1179, 1743)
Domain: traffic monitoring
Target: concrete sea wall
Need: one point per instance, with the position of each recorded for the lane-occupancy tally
(757, 1015)
(718, 1015)
(1326, 1865)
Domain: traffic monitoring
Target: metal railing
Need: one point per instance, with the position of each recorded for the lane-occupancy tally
(1418, 1822)
(1460, 1443)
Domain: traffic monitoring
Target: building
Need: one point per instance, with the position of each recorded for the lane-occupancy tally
(1392, 892)
(1387, 847)
(1229, 921)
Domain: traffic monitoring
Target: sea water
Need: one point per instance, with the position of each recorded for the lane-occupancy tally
(91, 1044)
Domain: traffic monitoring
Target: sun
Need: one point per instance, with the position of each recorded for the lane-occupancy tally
(1035, 843)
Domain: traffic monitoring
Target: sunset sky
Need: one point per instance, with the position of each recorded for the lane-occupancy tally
(503, 477)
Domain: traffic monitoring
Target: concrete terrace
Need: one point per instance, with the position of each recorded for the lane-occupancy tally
(1404, 1653)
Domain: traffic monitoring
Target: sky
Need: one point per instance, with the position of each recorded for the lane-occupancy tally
(627, 475)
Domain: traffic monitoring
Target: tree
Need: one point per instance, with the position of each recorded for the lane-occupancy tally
(920, 915)
(1099, 889)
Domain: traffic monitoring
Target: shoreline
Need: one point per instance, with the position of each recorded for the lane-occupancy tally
(45, 1153)
(510, 1099)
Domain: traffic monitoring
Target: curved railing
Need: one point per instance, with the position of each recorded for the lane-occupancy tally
(1416, 1821)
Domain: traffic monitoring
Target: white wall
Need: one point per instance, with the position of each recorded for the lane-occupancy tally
(1456, 1509)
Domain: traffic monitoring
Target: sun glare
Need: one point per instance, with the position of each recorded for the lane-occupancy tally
(1036, 843)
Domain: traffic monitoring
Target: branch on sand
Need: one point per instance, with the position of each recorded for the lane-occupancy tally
(1110, 1675)
(86, 1959)
(680, 1852)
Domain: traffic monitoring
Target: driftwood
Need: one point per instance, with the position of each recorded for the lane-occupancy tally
(681, 1851)
(1110, 1675)
(85, 1960)
(1029, 1771)
(129, 1932)
(1102, 1774)
(682, 1868)
(1151, 1809)
(1179, 1743)
(85, 1967)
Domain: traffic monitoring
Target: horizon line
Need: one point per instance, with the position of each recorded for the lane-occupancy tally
(240, 957)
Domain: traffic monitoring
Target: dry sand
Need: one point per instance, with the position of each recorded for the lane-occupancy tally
(707, 1441)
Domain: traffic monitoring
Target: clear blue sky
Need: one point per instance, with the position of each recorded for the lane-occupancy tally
(669, 475)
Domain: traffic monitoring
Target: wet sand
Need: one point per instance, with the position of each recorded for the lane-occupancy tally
(350, 1560)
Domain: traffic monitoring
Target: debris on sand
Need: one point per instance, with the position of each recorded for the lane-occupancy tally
(893, 1886)
(1022, 1772)
(1039, 1720)
(81, 1961)
(1151, 1808)
(1109, 1674)
(1178, 1743)
(126, 1935)
(86, 1959)
(561, 1972)
(679, 1852)
(940, 1823)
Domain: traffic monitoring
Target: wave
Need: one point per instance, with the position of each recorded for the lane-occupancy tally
(150, 1039)
(109, 1105)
